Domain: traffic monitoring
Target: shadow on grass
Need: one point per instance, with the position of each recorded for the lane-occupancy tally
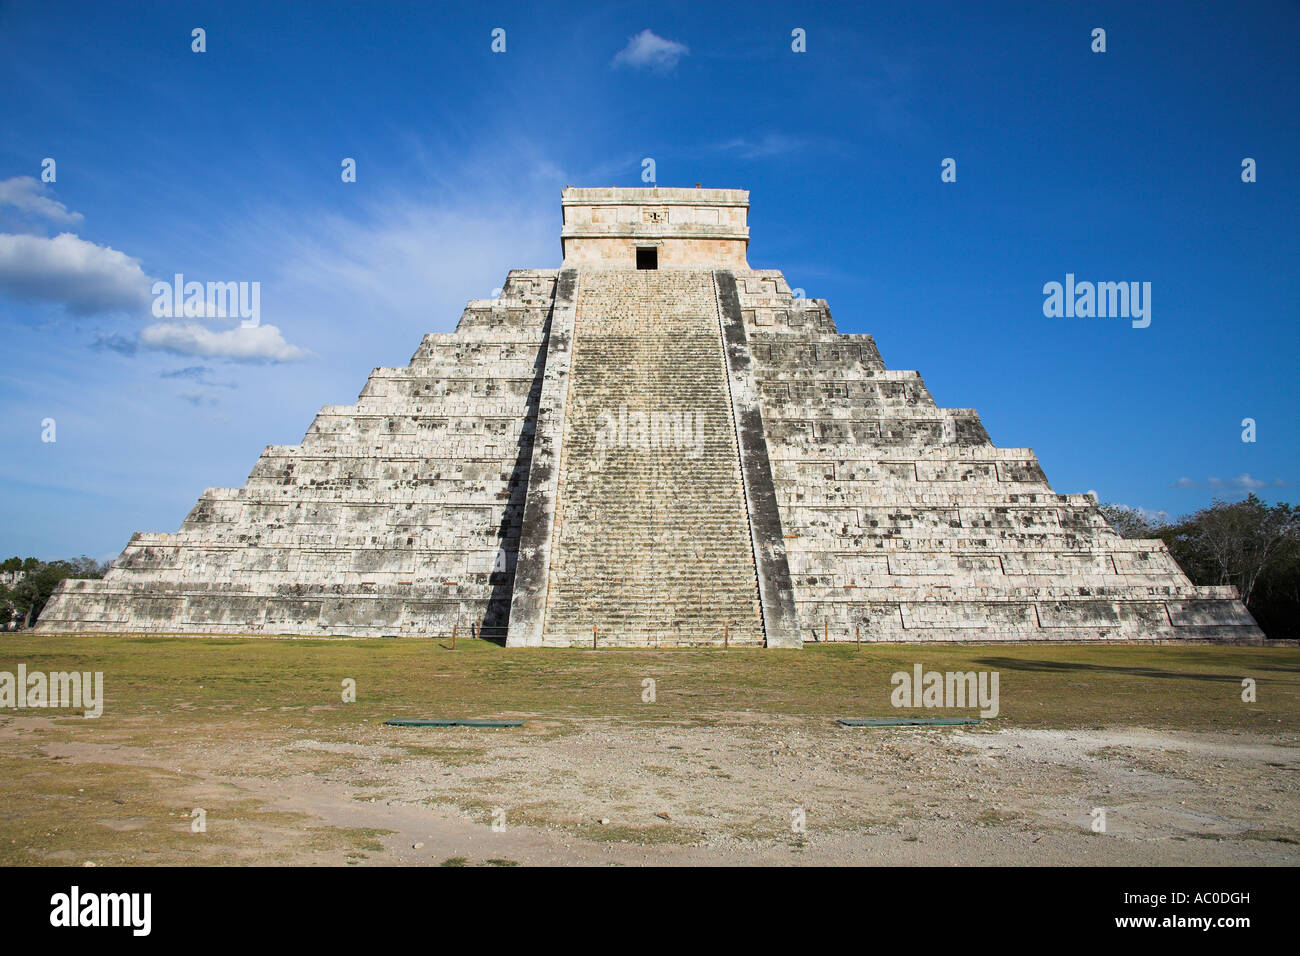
(1047, 667)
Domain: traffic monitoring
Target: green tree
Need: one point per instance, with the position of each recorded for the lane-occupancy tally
(1277, 593)
(1235, 542)
(1247, 544)
(8, 606)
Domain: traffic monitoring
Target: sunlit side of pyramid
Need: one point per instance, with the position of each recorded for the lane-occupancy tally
(653, 445)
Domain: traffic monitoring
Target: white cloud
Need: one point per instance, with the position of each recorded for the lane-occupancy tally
(649, 50)
(1243, 482)
(768, 145)
(85, 278)
(27, 195)
(261, 343)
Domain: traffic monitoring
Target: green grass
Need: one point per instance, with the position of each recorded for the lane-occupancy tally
(296, 685)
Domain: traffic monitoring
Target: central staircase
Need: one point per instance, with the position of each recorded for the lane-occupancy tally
(652, 540)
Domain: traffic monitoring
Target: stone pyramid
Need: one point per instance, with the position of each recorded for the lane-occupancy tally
(652, 445)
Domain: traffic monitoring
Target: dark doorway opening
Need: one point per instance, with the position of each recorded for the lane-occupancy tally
(647, 257)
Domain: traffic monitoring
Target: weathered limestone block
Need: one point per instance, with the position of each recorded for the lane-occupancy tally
(1208, 612)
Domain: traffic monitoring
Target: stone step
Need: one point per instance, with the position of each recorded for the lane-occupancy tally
(652, 539)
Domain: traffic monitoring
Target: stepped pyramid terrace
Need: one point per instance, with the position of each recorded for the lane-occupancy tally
(653, 445)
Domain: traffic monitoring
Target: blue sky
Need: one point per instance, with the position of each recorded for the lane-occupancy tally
(225, 166)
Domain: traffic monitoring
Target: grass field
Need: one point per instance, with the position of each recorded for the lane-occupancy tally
(228, 721)
(297, 683)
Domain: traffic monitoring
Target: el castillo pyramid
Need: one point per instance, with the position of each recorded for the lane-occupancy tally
(652, 445)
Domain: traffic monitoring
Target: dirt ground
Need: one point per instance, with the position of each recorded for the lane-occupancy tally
(726, 794)
(300, 780)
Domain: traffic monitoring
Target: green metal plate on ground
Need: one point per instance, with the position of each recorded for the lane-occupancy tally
(405, 722)
(911, 722)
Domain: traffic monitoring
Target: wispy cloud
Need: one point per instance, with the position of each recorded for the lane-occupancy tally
(85, 278)
(115, 342)
(406, 264)
(1243, 482)
(764, 147)
(648, 50)
(200, 374)
(198, 397)
(29, 197)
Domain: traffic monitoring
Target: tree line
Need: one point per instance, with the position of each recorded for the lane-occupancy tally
(1248, 543)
